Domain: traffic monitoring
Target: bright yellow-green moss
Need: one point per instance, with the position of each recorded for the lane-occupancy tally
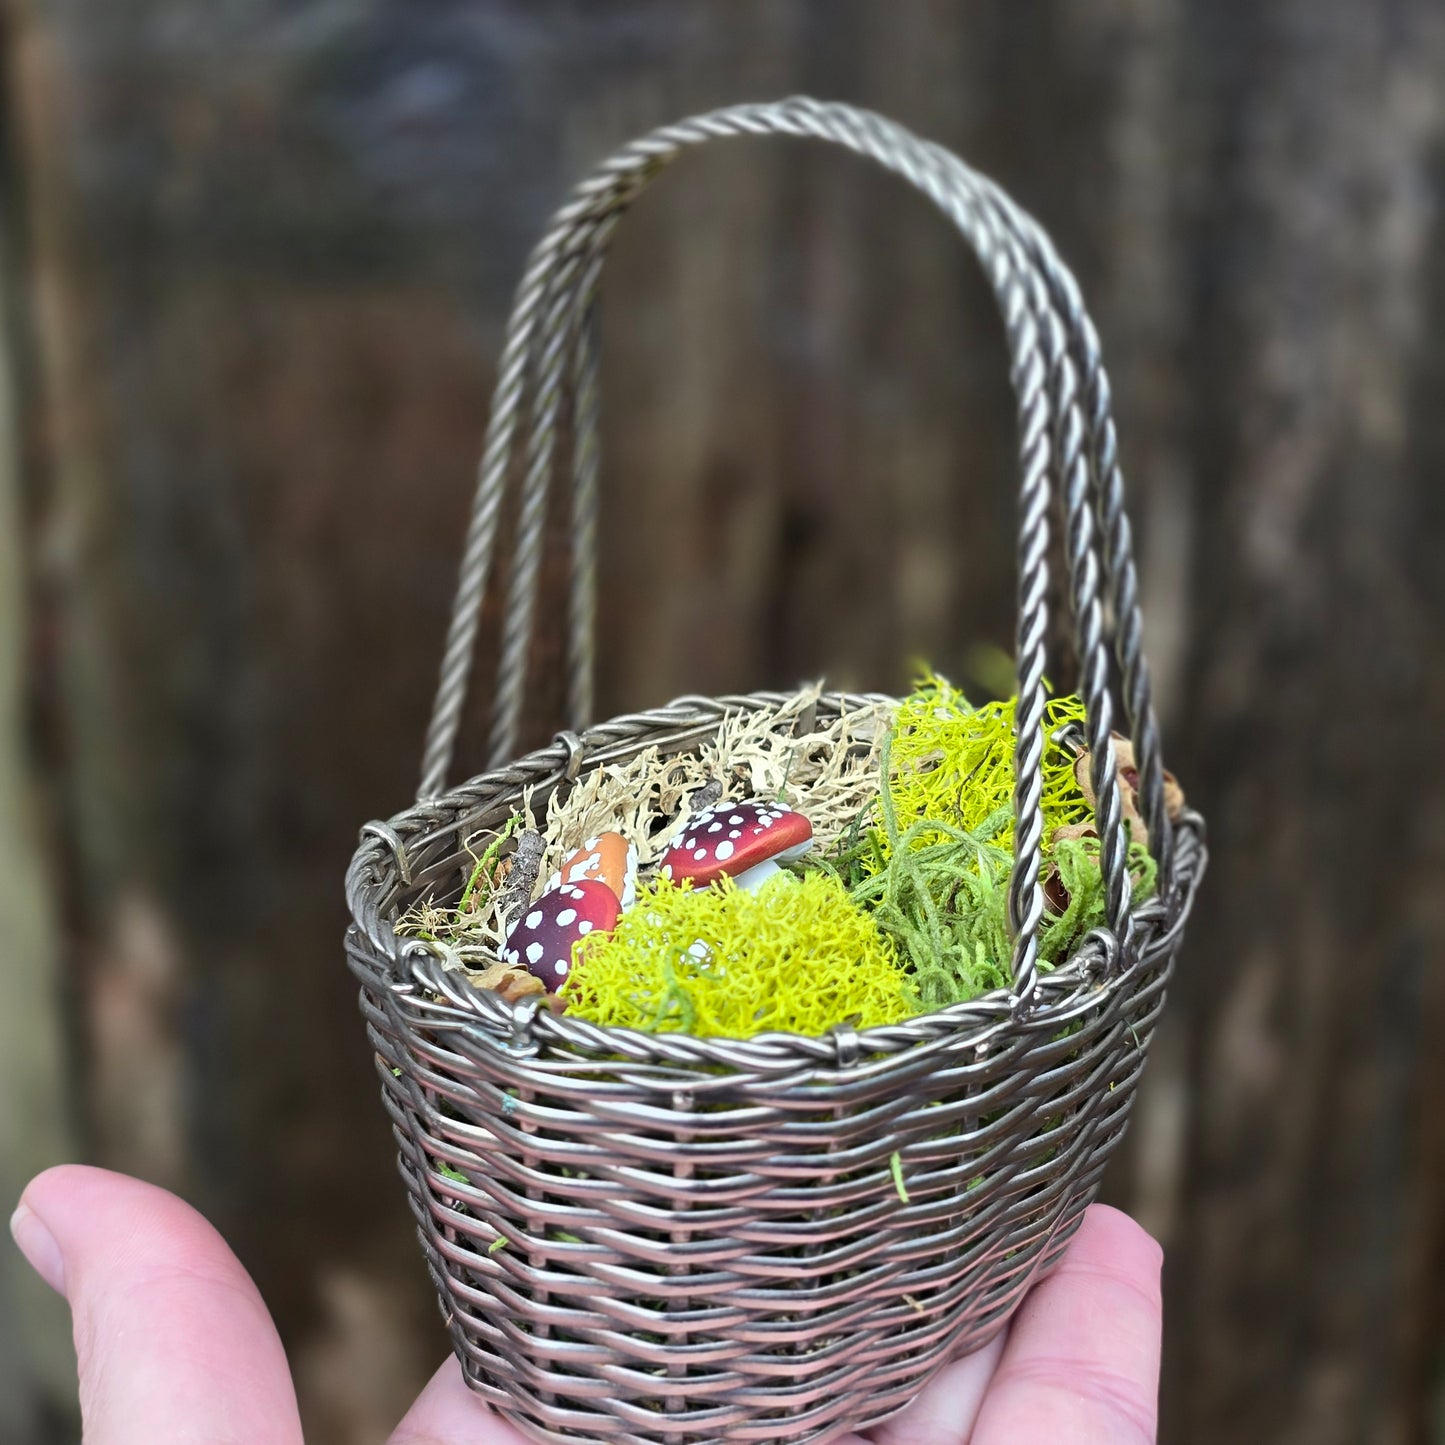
(954, 763)
(798, 956)
(931, 861)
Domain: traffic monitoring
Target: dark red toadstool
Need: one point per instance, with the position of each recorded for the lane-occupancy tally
(543, 937)
(744, 840)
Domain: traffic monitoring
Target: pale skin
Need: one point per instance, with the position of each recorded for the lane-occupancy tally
(175, 1345)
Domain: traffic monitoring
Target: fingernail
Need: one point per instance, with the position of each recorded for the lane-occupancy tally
(38, 1246)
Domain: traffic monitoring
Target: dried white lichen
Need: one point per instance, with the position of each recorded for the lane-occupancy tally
(829, 772)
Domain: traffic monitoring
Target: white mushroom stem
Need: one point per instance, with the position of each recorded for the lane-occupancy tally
(751, 879)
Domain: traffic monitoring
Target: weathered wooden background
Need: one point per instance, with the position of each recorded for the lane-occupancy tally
(254, 265)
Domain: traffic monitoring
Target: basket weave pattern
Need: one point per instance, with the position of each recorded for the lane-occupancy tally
(659, 1238)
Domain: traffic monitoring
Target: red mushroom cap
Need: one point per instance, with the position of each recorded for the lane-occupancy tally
(542, 939)
(733, 837)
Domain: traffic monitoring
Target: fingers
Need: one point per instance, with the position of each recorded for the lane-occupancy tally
(944, 1414)
(1079, 1366)
(448, 1413)
(173, 1342)
(1082, 1360)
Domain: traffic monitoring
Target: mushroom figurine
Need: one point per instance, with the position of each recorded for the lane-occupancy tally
(744, 840)
(608, 858)
(541, 940)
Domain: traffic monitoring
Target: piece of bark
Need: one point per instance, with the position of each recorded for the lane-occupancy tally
(1056, 896)
(511, 982)
(1173, 797)
(706, 796)
(522, 877)
(1128, 770)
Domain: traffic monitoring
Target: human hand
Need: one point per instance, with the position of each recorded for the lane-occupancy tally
(175, 1346)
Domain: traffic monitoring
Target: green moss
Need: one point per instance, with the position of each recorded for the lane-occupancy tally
(485, 868)
(1077, 862)
(896, 1165)
(941, 895)
(903, 910)
(798, 956)
(954, 763)
(932, 861)
(945, 905)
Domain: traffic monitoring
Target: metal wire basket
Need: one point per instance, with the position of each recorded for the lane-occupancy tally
(660, 1238)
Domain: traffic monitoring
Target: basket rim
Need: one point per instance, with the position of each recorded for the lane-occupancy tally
(405, 851)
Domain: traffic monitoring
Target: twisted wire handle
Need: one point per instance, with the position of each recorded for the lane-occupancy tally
(1066, 442)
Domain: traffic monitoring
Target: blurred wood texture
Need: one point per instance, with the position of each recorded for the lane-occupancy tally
(257, 265)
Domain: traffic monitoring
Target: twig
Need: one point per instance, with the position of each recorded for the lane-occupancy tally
(526, 864)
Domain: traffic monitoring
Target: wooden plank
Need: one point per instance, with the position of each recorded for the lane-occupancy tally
(272, 258)
(37, 1372)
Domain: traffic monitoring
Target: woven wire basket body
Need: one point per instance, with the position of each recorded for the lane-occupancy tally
(660, 1238)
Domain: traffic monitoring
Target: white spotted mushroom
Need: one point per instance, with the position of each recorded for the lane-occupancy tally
(608, 858)
(541, 940)
(747, 841)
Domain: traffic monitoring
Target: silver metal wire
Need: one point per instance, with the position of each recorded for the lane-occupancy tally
(659, 1238)
(1052, 446)
(706, 1239)
(586, 451)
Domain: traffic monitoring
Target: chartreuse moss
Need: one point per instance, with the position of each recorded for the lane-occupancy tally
(954, 763)
(797, 955)
(931, 861)
(906, 912)
(941, 895)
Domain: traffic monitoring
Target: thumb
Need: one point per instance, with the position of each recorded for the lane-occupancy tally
(173, 1342)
